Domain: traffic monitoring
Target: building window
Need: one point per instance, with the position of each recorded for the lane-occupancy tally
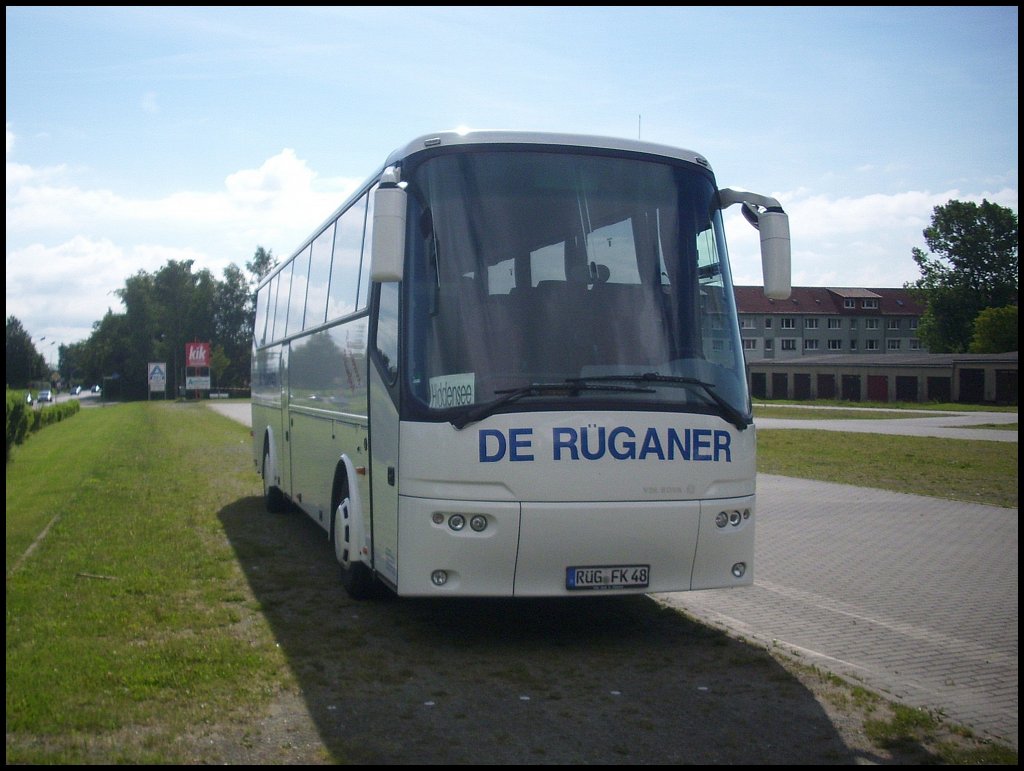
(849, 303)
(869, 304)
(914, 344)
(749, 344)
(870, 323)
(853, 345)
(746, 323)
(810, 323)
(893, 324)
(835, 323)
(810, 345)
(788, 344)
(853, 323)
(913, 323)
(870, 345)
(835, 345)
(788, 323)
(768, 345)
(768, 322)
(892, 345)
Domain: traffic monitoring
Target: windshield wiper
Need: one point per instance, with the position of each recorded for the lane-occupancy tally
(569, 387)
(731, 414)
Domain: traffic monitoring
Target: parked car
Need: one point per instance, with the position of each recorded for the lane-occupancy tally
(96, 389)
(76, 390)
(45, 395)
(28, 397)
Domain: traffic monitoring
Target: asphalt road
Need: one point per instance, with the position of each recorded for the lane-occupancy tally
(915, 597)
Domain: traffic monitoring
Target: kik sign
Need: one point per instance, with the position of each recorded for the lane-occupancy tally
(197, 354)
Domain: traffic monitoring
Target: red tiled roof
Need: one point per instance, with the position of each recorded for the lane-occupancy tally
(828, 301)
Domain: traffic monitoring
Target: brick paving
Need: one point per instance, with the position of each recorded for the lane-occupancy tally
(915, 597)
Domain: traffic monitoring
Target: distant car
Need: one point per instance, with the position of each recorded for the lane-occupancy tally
(76, 390)
(45, 396)
(96, 389)
(28, 397)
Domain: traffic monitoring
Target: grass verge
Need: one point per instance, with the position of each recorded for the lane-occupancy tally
(128, 623)
(962, 470)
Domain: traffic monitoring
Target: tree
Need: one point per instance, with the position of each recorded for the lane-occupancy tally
(24, 362)
(976, 268)
(995, 330)
(233, 317)
(261, 264)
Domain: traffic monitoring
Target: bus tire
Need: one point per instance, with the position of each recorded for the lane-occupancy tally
(355, 574)
(273, 498)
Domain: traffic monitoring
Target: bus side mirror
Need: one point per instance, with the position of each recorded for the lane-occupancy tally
(775, 254)
(772, 224)
(388, 251)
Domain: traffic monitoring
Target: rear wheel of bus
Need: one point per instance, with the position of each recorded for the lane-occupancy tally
(273, 498)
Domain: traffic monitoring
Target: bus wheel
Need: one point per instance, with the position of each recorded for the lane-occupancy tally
(273, 498)
(355, 575)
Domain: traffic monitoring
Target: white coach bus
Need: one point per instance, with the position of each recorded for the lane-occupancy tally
(510, 365)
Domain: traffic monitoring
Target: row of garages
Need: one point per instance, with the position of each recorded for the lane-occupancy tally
(926, 377)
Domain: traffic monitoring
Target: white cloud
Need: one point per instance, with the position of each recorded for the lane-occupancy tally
(865, 241)
(69, 248)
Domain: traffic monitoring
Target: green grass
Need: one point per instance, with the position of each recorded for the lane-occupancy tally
(963, 470)
(901, 407)
(127, 618)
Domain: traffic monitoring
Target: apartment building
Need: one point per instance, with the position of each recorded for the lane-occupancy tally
(859, 344)
(828, 320)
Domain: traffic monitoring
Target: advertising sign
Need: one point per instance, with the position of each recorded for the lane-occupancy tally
(157, 377)
(197, 366)
(197, 354)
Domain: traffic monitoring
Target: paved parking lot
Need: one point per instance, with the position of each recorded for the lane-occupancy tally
(914, 597)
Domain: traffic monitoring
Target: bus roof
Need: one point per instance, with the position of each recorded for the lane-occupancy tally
(485, 137)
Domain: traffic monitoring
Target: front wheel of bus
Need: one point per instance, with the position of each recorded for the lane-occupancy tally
(355, 575)
(273, 498)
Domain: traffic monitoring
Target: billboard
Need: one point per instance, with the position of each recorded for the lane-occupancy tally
(197, 358)
(197, 354)
(157, 376)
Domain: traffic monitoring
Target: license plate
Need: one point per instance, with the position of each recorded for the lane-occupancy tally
(608, 577)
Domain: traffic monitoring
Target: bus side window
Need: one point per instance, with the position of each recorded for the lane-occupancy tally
(363, 292)
(385, 344)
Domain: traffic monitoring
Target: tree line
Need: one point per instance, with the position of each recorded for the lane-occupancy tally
(163, 311)
(968, 286)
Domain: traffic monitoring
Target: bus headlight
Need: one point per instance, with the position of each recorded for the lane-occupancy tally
(478, 522)
(456, 522)
(439, 577)
(739, 569)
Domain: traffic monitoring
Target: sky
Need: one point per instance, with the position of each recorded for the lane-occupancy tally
(140, 135)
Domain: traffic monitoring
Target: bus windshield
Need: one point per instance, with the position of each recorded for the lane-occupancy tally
(605, 274)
